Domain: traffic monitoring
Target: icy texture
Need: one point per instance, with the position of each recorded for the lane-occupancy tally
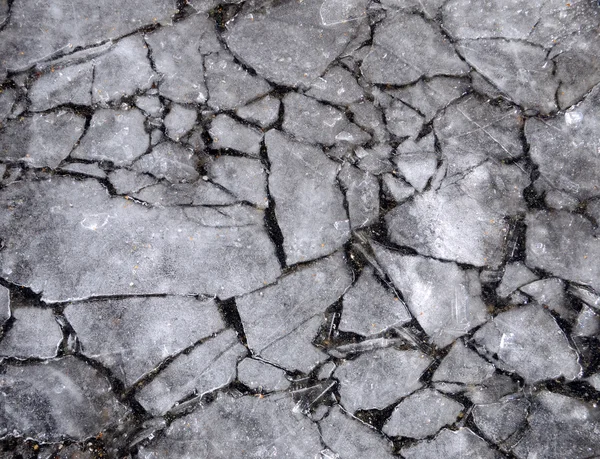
(444, 299)
(5, 312)
(227, 133)
(459, 444)
(462, 365)
(263, 112)
(403, 121)
(565, 149)
(378, 379)
(207, 367)
(407, 47)
(528, 340)
(56, 399)
(499, 421)
(274, 315)
(117, 136)
(71, 25)
(515, 275)
(573, 258)
(462, 221)
(34, 333)
(313, 122)
(229, 85)
(42, 140)
(152, 328)
(309, 203)
(430, 96)
(517, 68)
(177, 52)
(245, 178)
(336, 86)
(242, 427)
(362, 195)
(67, 85)
(370, 308)
(289, 44)
(91, 170)
(179, 121)
(122, 71)
(417, 161)
(259, 375)
(558, 427)
(422, 414)
(170, 247)
(352, 439)
(474, 130)
(321, 229)
(170, 161)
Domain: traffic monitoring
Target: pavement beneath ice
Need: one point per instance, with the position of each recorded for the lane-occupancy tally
(316, 229)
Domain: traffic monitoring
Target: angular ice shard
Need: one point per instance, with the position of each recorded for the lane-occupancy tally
(56, 399)
(86, 243)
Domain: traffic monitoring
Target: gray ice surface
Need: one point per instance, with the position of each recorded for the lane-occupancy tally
(320, 229)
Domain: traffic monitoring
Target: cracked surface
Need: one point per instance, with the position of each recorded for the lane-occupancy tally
(317, 229)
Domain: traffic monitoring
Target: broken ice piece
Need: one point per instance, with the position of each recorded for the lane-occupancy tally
(574, 258)
(377, 379)
(430, 96)
(528, 340)
(66, 85)
(5, 312)
(288, 43)
(403, 121)
(462, 365)
(498, 421)
(362, 195)
(417, 161)
(260, 375)
(149, 104)
(445, 300)
(122, 71)
(396, 189)
(179, 121)
(127, 182)
(263, 112)
(309, 203)
(558, 427)
(56, 399)
(422, 414)
(407, 47)
(291, 311)
(337, 86)
(42, 139)
(551, 294)
(227, 133)
(205, 368)
(370, 308)
(515, 275)
(376, 159)
(132, 336)
(170, 161)
(350, 438)
(229, 85)
(238, 427)
(450, 444)
(245, 178)
(177, 52)
(588, 322)
(34, 333)
(117, 136)
(311, 121)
